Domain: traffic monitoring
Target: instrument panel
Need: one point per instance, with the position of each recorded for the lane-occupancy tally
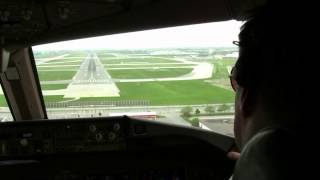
(40, 139)
(116, 148)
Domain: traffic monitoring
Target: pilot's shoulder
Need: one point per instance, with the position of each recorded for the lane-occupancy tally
(270, 154)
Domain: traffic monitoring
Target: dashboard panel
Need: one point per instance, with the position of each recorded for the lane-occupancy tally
(111, 148)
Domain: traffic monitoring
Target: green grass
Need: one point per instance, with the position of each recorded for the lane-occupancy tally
(80, 53)
(167, 93)
(38, 55)
(52, 69)
(134, 60)
(59, 68)
(146, 65)
(221, 68)
(72, 57)
(53, 86)
(55, 98)
(220, 77)
(55, 75)
(176, 92)
(212, 114)
(3, 101)
(61, 61)
(102, 55)
(65, 60)
(148, 73)
(65, 63)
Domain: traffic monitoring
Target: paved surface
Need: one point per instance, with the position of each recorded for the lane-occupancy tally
(219, 124)
(44, 60)
(201, 70)
(91, 80)
(92, 71)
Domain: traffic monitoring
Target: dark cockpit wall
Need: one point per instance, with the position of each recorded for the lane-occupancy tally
(37, 22)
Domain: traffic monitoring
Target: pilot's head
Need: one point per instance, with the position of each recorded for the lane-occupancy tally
(265, 75)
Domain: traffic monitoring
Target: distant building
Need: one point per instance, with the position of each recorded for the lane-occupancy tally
(138, 115)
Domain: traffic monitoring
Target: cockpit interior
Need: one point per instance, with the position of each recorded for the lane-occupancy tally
(34, 146)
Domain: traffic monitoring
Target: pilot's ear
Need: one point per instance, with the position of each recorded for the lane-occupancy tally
(247, 102)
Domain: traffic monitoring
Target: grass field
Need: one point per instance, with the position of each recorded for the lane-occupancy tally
(148, 73)
(137, 60)
(207, 91)
(220, 77)
(146, 65)
(59, 68)
(73, 62)
(221, 71)
(48, 54)
(176, 92)
(65, 63)
(54, 99)
(79, 53)
(3, 102)
(104, 55)
(53, 86)
(167, 93)
(48, 70)
(55, 75)
(61, 62)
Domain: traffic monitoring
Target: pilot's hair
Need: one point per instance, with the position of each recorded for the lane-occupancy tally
(270, 58)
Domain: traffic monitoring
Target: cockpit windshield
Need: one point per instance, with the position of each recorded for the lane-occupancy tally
(174, 75)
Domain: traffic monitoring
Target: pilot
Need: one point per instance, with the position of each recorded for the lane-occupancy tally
(267, 123)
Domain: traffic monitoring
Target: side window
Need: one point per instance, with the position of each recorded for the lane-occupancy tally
(5, 113)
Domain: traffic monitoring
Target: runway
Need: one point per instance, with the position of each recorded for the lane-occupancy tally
(91, 80)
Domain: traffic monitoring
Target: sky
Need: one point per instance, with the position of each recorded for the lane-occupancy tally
(217, 34)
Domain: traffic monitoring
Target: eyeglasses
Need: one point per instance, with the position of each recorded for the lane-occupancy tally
(233, 82)
(237, 43)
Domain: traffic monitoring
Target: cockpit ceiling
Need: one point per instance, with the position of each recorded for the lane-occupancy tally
(31, 22)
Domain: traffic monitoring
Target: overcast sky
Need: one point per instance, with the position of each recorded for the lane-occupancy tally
(219, 34)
